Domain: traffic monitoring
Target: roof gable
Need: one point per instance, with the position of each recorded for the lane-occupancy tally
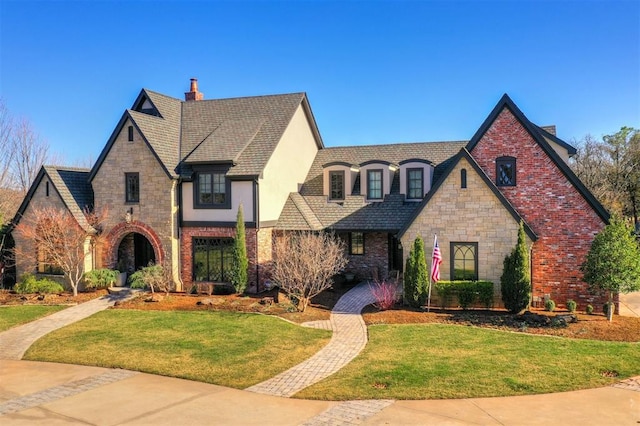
(464, 154)
(72, 184)
(539, 136)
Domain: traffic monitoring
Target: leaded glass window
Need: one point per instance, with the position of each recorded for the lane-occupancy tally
(212, 259)
(464, 261)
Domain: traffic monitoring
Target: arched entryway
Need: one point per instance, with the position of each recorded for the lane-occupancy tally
(134, 252)
(131, 246)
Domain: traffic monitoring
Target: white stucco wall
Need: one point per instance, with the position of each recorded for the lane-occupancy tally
(287, 167)
(241, 192)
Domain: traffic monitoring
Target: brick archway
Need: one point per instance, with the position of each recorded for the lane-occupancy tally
(115, 236)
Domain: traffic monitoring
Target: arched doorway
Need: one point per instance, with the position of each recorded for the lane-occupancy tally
(134, 252)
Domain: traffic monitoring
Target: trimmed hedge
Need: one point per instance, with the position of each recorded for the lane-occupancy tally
(467, 293)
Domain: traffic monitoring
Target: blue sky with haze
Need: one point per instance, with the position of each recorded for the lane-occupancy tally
(375, 72)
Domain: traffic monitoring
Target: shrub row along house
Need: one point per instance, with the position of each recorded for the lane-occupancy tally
(174, 173)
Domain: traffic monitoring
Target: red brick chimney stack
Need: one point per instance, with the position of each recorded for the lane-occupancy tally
(193, 94)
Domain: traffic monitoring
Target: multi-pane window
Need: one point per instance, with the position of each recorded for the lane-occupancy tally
(415, 183)
(46, 264)
(464, 261)
(212, 259)
(211, 189)
(132, 185)
(374, 184)
(506, 171)
(336, 185)
(356, 243)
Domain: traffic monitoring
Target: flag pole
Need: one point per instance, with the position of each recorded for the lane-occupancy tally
(435, 238)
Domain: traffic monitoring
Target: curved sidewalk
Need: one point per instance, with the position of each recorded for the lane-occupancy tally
(15, 341)
(348, 339)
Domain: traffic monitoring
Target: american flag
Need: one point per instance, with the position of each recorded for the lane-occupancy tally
(436, 260)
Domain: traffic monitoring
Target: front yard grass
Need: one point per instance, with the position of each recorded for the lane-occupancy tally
(433, 361)
(230, 349)
(10, 316)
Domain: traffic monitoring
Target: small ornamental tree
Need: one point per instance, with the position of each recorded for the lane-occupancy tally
(60, 241)
(516, 280)
(304, 264)
(240, 266)
(416, 276)
(613, 262)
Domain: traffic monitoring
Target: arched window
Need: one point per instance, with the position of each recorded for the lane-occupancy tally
(464, 261)
(463, 178)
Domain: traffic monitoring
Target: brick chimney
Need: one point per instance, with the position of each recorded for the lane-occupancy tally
(193, 94)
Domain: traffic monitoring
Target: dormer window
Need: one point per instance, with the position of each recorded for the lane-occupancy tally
(415, 184)
(506, 171)
(374, 184)
(336, 183)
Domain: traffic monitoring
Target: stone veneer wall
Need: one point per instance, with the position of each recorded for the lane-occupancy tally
(563, 220)
(474, 214)
(157, 206)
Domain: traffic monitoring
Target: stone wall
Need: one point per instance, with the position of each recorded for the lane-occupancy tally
(473, 214)
(556, 211)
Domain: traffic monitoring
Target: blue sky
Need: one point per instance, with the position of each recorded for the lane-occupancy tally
(374, 72)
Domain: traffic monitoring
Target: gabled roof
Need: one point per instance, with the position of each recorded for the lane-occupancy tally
(539, 136)
(434, 189)
(160, 132)
(74, 188)
(240, 131)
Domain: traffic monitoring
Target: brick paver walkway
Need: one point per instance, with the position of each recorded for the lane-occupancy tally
(15, 341)
(349, 338)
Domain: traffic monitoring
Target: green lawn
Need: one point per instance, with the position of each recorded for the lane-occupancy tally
(229, 349)
(10, 316)
(441, 361)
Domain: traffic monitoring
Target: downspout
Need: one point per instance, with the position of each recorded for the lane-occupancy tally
(256, 218)
(179, 231)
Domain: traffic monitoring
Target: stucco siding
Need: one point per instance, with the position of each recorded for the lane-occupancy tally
(241, 193)
(287, 167)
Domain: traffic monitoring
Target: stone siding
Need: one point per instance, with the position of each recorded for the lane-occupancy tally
(157, 207)
(474, 214)
(556, 211)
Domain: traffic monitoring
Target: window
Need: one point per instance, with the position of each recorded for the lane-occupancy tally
(374, 184)
(463, 178)
(415, 184)
(356, 243)
(506, 171)
(464, 261)
(212, 259)
(46, 265)
(336, 185)
(130, 129)
(47, 188)
(212, 190)
(132, 184)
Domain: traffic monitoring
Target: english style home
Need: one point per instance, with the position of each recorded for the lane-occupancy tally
(173, 174)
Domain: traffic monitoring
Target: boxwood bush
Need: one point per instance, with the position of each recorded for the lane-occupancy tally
(467, 293)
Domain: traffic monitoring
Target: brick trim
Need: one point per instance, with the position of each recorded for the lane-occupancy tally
(118, 232)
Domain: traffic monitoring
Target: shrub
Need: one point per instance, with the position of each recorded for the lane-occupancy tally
(29, 284)
(605, 309)
(550, 305)
(240, 264)
(416, 276)
(515, 280)
(153, 277)
(100, 278)
(384, 294)
(467, 292)
(589, 309)
(572, 305)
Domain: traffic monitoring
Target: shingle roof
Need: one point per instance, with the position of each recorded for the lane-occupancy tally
(244, 131)
(309, 208)
(75, 190)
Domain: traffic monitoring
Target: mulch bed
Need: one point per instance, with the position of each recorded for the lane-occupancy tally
(624, 329)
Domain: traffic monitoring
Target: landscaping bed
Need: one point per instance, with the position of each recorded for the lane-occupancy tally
(67, 298)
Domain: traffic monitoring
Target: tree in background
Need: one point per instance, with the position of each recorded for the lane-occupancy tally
(515, 281)
(304, 264)
(59, 242)
(240, 266)
(611, 170)
(613, 262)
(416, 276)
